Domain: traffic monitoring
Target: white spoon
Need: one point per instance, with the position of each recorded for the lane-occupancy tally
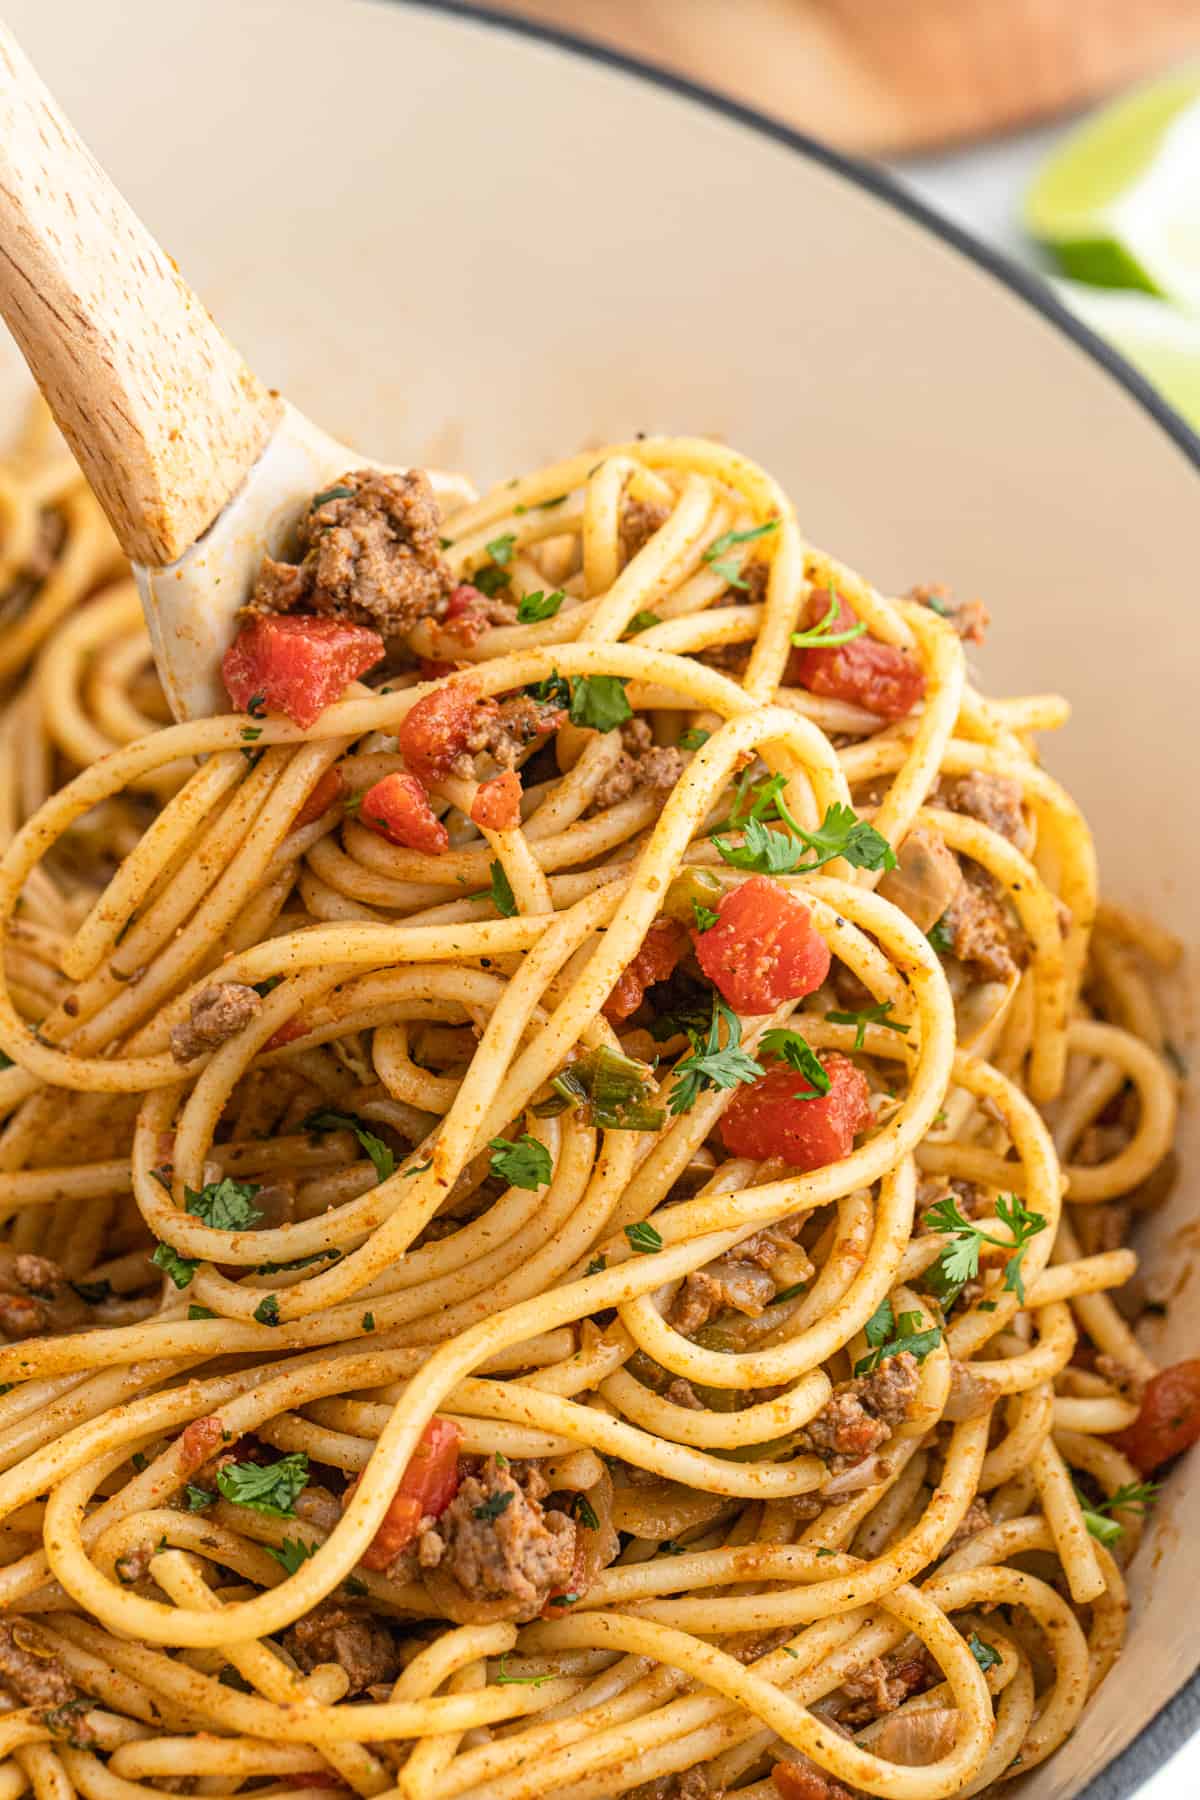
(201, 469)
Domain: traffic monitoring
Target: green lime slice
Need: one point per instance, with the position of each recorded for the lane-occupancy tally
(1119, 204)
(1159, 341)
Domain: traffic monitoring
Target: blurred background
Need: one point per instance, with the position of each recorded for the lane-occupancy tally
(1064, 132)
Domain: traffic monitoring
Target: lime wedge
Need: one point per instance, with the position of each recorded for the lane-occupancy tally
(1163, 344)
(1119, 204)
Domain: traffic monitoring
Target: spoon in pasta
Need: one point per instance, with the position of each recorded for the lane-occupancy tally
(201, 468)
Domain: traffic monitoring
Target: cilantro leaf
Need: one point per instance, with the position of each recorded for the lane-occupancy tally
(1131, 1496)
(333, 493)
(267, 1310)
(494, 1505)
(198, 1498)
(882, 1323)
(501, 548)
(959, 1260)
(711, 1064)
(533, 608)
(266, 1487)
(225, 1205)
(599, 701)
(793, 1049)
(704, 916)
(179, 1268)
(585, 1512)
(554, 691)
(503, 898)
(840, 833)
(644, 1238)
(908, 1338)
(376, 1149)
(941, 938)
(291, 1553)
(984, 1655)
(694, 738)
(730, 567)
(524, 1164)
(869, 1015)
(641, 621)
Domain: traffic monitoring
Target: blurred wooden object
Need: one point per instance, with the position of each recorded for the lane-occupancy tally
(886, 76)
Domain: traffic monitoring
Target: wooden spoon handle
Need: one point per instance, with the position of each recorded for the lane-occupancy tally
(162, 413)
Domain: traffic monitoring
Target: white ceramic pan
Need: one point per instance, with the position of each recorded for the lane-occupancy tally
(456, 240)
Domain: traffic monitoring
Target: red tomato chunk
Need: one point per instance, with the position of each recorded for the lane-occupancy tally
(882, 678)
(427, 1487)
(497, 805)
(766, 1119)
(331, 787)
(297, 664)
(201, 1439)
(662, 947)
(1169, 1420)
(398, 809)
(764, 948)
(438, 728)
(288, 1032)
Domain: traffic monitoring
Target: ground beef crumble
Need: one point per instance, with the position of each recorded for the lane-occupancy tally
(886, 1683)
(800, 1779)
(740, 1280)
(371, 554)
(980, 928)
(215, 1015)
(30, 1669)
(337, 1632)
(641, 764)
(505, 732)
(640, 519)
(498, 1543)
(861, 1414)
(969, 618)
(995, 800)
(36, 1298)
(977, 1518)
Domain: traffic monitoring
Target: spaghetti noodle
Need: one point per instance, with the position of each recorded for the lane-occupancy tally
(562, 1214)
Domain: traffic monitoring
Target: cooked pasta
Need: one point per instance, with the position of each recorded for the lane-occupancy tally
(565, 1168)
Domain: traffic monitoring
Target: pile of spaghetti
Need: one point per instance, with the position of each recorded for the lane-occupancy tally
(563, 1168)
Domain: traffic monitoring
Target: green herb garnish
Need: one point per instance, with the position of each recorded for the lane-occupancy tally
(712, 1064)
(959, 1260)
(503, 898)
(869, 1015)
(793, 1049)
(599, 702)
(643, 1238)
(379, 1153)
(533, 608)
(524, 1164)
(271, 1488)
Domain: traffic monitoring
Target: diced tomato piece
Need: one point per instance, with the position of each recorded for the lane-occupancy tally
(299, 665)
(331, 787)
(497, 805)
(398, 809)
(882, 678)
(287, 1033)
(663, 945)
(1169, 1420)
(764, 948)
(438, 727)
(766, 1118)
(434, 671)
(425, 1490)
(201, 1439)
(468, 613)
